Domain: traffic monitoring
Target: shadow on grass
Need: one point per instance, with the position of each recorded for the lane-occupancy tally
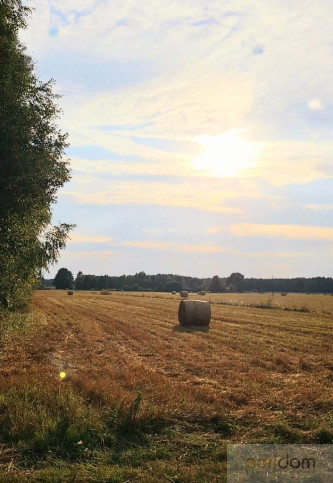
(190, 328)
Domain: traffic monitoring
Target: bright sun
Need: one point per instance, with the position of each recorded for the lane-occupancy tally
(226, 155)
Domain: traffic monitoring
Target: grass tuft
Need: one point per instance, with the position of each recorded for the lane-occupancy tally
(264, 304)
(48, 417)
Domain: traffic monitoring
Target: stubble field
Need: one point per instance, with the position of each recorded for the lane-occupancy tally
(145, 400)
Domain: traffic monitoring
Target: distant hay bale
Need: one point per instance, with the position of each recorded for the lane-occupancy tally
(174, 292)
(105, 292)
(183, 293)
(194, 312)
(283, 294)
(202, 292)
(70, 292)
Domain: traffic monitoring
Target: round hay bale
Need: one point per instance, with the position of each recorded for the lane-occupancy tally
(183, 293)
(174, 292)
(194, 312)
(70, 292)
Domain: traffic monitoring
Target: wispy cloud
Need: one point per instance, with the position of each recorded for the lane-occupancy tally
(202, 249)
(91, 255)
(159, 231)
(283, 163)
(215, 229)
(156, 245)
(183, 193)
(297, 232)
(320, 207)
(149, 245)
(172, 167)
(267, 254)
(159, 108)
(81, 238)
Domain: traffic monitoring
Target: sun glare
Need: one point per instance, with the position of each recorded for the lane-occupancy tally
(226, 155)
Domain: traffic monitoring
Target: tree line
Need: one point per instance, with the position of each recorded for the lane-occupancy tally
(236, 282)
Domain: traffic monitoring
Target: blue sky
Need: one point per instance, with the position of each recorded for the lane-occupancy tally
(200, 134)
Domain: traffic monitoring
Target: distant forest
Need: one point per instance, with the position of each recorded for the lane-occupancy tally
(236, 282)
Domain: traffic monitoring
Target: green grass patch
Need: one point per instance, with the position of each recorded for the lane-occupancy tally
(57, 436)
(15, 322)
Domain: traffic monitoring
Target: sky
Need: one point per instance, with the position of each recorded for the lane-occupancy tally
(200, 134)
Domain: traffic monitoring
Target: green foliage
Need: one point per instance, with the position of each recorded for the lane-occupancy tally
(32, 165)
(170, 283)
(14, 322)
(159, 287)
(216, 285)
(236, 282)
(64, 279)
(173, 286)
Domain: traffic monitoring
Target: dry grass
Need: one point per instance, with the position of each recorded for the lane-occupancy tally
(255, 376)
(294, 302)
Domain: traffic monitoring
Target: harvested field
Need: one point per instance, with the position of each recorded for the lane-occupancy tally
(319, 303)
(180, 394)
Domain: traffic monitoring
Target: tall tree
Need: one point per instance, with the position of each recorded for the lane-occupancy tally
(64, 279)
(216, 285)
(236, 280)
(32, 168)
